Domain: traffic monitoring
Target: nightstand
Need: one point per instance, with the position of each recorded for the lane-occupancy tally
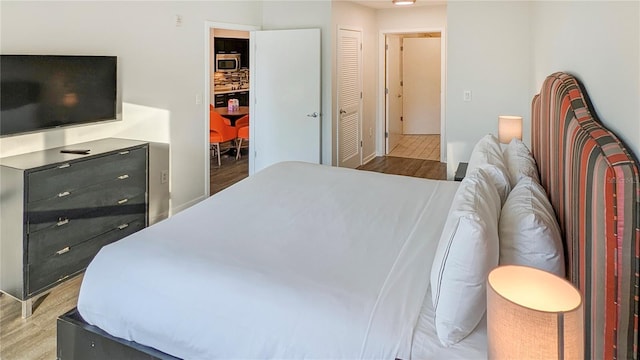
(461, 171)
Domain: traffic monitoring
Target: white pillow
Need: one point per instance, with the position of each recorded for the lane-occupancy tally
(487, 152)
(529, 231)
(467, 251)
(520, 163)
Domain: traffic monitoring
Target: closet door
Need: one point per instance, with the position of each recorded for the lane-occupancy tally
(349, 98)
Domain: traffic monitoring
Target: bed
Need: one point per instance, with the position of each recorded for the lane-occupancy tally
(303, 260)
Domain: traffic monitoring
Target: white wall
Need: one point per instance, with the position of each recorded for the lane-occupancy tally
(420, 17)
(489, 53)
(277, 15)
(161, 68)
(350, 15)
(599, 43)
(502, 51)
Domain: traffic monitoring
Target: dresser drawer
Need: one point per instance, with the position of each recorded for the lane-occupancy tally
(68, 177)
(115, 197)
(48, 242)
(56, 268)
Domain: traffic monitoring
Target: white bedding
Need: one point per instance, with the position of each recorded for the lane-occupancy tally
(296, 261)
(426, 344)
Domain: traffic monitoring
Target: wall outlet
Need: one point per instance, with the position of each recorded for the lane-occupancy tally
(164, 176)
(198, 99)
(466, 95)
(370, 132)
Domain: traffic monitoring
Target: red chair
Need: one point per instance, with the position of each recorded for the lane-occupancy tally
(220, 131)
(243, 134)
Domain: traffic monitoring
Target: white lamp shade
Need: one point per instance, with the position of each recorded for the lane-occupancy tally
(533, 314)
(509, 127)
(403, 2)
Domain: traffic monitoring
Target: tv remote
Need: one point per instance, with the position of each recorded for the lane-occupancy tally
(75, 151)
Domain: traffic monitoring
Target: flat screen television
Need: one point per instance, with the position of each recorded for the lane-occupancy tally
(39, 92)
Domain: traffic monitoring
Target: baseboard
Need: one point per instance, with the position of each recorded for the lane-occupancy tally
(187, 205)
(158, 218)
(368, 158)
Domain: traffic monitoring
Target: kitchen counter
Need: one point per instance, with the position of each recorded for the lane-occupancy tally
(229, 91)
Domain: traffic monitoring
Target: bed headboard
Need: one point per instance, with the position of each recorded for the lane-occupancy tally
(592, 182)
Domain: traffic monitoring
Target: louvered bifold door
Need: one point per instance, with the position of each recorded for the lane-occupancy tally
(349, 98)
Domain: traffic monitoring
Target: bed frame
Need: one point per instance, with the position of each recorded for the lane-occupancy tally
(592, 181)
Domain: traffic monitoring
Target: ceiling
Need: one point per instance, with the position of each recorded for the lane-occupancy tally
(387, 4)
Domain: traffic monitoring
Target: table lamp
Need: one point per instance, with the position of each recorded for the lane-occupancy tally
(509, 127)
(533, 314)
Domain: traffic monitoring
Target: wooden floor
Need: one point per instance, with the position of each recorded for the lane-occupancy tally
(230, 172)
(35, 337)
(427, 169)
(424, 147)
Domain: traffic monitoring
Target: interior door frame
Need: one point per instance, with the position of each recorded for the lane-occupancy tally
(382, 125)
(387, 98)
(208, 25)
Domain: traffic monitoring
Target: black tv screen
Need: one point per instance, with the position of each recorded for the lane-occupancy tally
(40, 92)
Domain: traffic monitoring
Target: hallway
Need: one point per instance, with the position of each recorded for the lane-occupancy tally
(424, 147)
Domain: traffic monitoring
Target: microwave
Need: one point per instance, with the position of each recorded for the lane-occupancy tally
(227, 62)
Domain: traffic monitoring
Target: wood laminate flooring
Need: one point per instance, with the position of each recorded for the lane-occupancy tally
(230, 171)
(427, 169)
(35, 338)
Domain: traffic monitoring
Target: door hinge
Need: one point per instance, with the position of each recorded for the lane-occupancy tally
(401, 48)
(401, 118)
(360, 46)
(401, 83)
(360, 94)
(360, 143)
(386, 134)
(386, 91)
(386, 47)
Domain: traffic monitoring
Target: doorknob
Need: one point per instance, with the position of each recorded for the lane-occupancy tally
(313, 115)
(342, 111)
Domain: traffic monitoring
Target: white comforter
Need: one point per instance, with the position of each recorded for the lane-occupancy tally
(298, 261)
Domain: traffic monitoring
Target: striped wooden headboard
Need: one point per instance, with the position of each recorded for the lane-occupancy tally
(592, 182)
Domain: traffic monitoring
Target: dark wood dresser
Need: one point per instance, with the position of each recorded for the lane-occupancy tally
(57, 210)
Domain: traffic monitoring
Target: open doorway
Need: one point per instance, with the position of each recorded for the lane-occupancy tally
(229, 160)
(227, 101)
(414, 88)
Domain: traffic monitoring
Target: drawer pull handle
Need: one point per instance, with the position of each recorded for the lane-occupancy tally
(64, 166)
(63, 194)
(120, 202)
(123, 226)
(62, 251)
(124, 152)
(122, 177)
(62, 222)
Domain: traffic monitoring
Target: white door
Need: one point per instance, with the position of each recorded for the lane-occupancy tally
(349, 98)
(421, 73)
(285, 82)
(394, 91)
